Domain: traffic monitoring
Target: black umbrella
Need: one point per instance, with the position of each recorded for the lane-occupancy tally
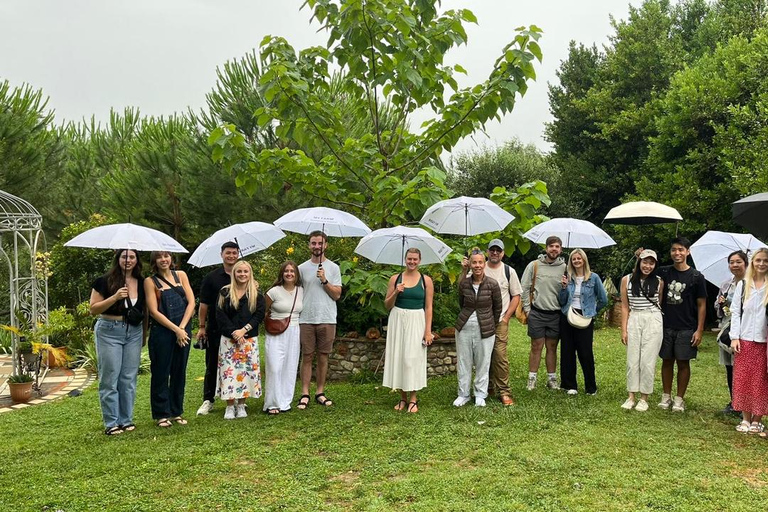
(752, 213)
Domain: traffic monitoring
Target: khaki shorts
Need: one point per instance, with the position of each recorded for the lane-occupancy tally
(317, 338)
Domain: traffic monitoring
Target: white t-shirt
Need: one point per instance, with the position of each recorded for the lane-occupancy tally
(319, 308)
(576, 299)
(508, 288)
(282, 302)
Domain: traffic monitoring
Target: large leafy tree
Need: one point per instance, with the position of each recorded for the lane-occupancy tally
(391, 58)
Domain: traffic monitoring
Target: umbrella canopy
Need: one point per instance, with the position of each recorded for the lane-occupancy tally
(710, 253)
(388, 246)
(126, 236)
(250, 237)
(750, 212)
(642, 212)
(330, 221)
(573, 233)
(466, 216)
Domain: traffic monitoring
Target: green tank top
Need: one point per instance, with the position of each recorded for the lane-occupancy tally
(411, 298)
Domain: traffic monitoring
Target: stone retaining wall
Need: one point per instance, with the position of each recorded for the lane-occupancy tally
(351, 356)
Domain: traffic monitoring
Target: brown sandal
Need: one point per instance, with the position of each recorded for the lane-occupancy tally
(303, 402)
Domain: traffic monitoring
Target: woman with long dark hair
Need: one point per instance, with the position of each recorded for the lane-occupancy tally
(737, 264)
(117, 298)
(239, 311)
(641, 328)
(284, 299)
(581, 297)
(749, 330)
(171, 306)
(409, 331)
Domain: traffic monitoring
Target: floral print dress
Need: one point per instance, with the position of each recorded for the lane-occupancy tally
(239, 374)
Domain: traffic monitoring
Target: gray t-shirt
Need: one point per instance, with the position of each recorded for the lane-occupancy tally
(319, 308)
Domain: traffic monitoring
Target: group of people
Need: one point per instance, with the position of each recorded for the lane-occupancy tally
(663, 313)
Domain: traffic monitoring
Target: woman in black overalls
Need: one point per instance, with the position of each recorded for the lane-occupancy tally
(171, 305)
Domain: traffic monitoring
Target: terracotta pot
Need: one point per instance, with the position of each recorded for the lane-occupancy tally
(21, 392)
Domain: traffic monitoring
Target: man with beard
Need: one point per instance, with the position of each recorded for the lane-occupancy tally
(208, 334)
(541, 285)
(322, 288)
(498, 381)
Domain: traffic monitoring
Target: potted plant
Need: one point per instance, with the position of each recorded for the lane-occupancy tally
(20, 385)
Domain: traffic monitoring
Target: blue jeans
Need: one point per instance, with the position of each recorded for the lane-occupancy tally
(119, 353)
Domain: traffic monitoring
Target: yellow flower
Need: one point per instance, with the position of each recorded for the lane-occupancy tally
(289, 251)
(354, 259)
(263, 270)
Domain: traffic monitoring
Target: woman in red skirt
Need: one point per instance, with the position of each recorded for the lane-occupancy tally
(749, 330)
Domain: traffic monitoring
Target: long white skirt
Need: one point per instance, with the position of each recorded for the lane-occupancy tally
(282, 360)
(405, 358)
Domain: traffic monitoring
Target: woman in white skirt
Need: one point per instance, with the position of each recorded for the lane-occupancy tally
(409, 331)
(284, 300)
(239, 311)
(641, 328)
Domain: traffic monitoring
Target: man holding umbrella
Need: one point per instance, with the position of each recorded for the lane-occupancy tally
(541, 286)
(208, 335)
(322, 288)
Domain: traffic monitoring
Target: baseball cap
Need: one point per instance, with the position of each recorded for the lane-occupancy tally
(496, 243)
(648, 253)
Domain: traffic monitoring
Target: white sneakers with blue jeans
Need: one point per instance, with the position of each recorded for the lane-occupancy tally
(118, 346)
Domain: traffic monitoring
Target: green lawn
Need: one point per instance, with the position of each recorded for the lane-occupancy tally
(550, 452)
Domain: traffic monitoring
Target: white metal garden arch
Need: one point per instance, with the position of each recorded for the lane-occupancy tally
(21, 240)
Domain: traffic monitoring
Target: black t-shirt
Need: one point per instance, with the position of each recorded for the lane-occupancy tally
(118, 308)
(209, 294)
(682, 289)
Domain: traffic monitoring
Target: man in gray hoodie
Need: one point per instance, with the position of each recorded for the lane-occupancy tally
(541, 284)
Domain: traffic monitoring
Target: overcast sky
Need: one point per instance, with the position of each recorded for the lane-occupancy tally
(161, 55)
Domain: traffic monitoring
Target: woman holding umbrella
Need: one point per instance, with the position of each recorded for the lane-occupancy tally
(480, 303)
(118, 299)
(749, 329)
(409, 331)
(239, 311)
(737, 264)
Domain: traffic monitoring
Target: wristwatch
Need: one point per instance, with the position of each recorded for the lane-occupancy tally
(324, 282)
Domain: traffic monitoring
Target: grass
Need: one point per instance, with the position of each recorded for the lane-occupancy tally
(549, 452)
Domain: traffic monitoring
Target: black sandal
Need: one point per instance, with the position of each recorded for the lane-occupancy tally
(113, 431)
(274, 411)
(128, 428)
(303, 404)
(412, 406)
(164, 423)
(401, 405)
(326, 402)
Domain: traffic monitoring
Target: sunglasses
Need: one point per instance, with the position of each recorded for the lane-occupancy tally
(495, 249)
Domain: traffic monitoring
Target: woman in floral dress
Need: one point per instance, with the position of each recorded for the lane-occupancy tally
(239, 311)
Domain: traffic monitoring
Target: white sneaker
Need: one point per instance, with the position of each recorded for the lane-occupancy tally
(205, 408)
(461, 401)
(572, 392)
(531, 383)
(229, 412)
(552, 384)
(641, 406)
(240, 411)
(666, 401)
(628, 404)
(678, 405)
(479, 402)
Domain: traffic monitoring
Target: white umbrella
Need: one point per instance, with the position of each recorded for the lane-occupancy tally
(330, 221)
(388, 246)
(642, 212)
(250, 237)
(126, 236)
(466, 216)
(573, 233)
(710, 253)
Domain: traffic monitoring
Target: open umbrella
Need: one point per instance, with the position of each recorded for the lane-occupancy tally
(750, 212)
(642, 212)
(330, 221)
(126, 236)
(250, 237)
(710, 253)
(573, 233)
(466, 216)
(388, 246)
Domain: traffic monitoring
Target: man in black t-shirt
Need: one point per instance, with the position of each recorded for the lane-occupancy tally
(209, 334)
(684, 308)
